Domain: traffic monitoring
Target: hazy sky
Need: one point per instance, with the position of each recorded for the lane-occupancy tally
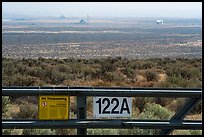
(103, 9)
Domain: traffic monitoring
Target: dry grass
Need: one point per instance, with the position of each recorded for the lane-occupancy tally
(162, 77)
(194, 117)
(13, 109)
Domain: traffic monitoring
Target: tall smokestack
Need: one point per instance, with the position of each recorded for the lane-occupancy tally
(87, 19)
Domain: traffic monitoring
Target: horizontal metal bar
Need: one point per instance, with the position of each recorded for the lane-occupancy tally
(101, 91)
(99, 123)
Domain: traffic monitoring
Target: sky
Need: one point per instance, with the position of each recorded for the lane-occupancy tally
(104, 9)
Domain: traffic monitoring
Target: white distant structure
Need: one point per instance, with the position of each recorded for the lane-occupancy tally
(160, 22)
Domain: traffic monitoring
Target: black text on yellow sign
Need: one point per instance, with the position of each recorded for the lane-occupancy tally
(53, 107)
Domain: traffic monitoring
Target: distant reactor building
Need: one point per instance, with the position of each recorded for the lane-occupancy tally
(82, 21)
(160, 22)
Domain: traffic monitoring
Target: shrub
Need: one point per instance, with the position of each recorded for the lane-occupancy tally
(162, 101)
(117, 76)
(22, 99)
(5, 105)
(27, 110)
(174, 81)
(195, 83)
(65, 131)
(6, 131)
(125, 131)
(187, 132)
(196, 132)
(38, 132)
(108, 67)
(108, 76)
(197, 109)
(176, 104)
(147, 65)
(63, 68)
(22, 80)
(16, 132)
(102, 131)
(151, 75)
(129, 72)
(56, 77)
(138, 131)
(140, 103)
(186, 73)
(152, 111)
(157, 110)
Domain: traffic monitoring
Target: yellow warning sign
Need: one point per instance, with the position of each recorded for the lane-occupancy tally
(53, 107)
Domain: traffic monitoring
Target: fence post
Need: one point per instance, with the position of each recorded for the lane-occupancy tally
(81, 113)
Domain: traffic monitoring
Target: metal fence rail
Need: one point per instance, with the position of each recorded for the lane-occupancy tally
(101, 91)
(81, 123)
(108, 123)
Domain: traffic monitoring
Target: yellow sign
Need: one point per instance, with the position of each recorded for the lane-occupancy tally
(53, 107)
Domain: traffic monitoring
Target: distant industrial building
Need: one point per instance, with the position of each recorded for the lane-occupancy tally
(160, 22)
(82, 21)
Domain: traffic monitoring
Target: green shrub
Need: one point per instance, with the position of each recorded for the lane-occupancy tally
(125, 131)
(186, 73)
(11, 131)
(147, 65)
(102, 131)
(6, 131)
(174, 81)
(56, 77)
(22, 80)
(66, 131)
(63, 68)
(129, 72)
(195, 83)
(5, 106)
(151, 75)
(16, 132)
(27, 110)
(157, 111)
(38, 132)
(196, 132)
(187, 132)
(152, 111)
(108, 76)
(138, 131)
(40, 72)
(108, 67)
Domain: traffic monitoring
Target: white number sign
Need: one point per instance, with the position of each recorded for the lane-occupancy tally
(112, 107)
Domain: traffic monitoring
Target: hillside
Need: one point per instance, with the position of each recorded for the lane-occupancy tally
(108, 72)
